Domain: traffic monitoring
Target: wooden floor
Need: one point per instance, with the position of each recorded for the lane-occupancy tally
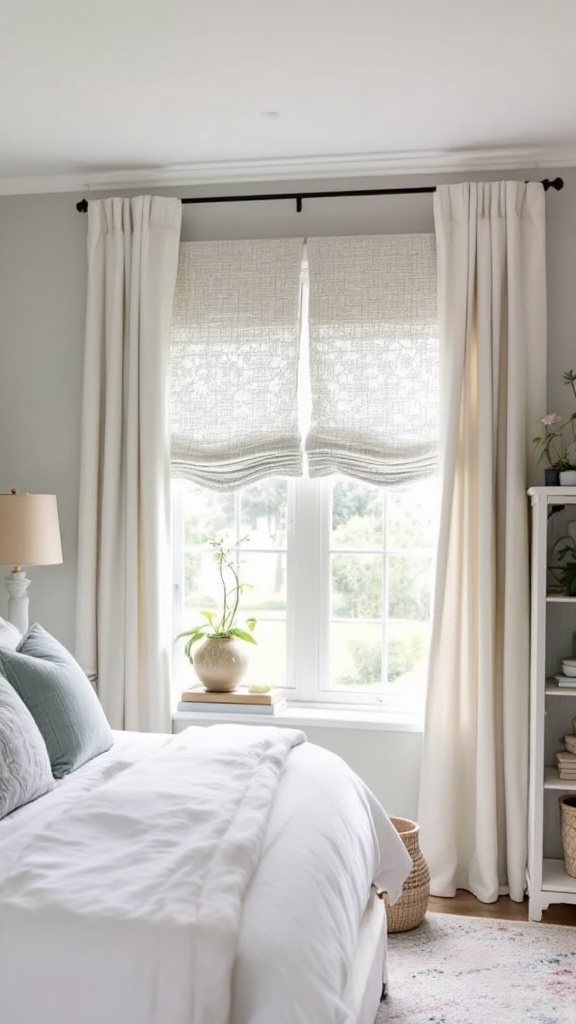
(466, 904)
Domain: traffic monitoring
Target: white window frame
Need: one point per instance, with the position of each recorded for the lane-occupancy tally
(308, 599)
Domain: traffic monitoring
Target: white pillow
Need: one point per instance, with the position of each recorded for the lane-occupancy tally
(25, 771)
(10, 636)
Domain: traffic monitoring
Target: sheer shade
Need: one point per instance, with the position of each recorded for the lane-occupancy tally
(234, 362)
(374, 357)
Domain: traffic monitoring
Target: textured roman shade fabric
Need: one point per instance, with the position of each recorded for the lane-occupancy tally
(234, 362)
(374, 357)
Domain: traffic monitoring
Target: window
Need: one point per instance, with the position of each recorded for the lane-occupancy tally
(340, 582)
(335, 342)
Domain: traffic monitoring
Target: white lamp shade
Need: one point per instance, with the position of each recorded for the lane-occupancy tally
(29, 530)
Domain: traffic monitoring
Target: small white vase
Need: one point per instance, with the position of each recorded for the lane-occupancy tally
(220, 662)
(568, 477)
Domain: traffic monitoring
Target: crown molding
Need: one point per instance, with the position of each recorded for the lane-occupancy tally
(295, 168)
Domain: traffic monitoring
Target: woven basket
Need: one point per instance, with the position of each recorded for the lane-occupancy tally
(410, 907)
(568, 820)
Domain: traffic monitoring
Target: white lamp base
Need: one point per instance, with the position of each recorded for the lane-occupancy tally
(17, 584)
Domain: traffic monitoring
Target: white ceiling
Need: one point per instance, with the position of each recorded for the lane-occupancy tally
(97, 93)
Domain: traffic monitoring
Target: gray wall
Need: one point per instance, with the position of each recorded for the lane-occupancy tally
(42, 302)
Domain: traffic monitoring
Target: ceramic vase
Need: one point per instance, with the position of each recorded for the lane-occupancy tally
(220, 662)
(568, 478)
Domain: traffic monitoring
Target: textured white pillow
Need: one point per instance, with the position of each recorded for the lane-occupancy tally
(25, 771)
(10, 637)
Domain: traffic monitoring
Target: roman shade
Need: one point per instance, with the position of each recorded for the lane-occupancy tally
(234, 362)
(374, 357)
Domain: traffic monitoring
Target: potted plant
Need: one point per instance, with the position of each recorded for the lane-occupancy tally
(221, 658)
(557, 443)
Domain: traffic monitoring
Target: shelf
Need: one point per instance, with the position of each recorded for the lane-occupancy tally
(552, 632)
(550, 493)
(555, 879)
(553, 690)
(551, 781)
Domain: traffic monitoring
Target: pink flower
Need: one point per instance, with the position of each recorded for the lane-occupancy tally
(550, 419)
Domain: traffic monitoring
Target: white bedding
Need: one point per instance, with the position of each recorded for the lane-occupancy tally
(131, 952)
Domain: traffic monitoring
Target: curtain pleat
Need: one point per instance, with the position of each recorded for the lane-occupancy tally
(492, 310)
(123, 595)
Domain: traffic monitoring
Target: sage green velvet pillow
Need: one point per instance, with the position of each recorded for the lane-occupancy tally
(60, 698)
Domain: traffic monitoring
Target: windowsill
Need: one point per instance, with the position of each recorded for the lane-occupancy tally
(352, 717)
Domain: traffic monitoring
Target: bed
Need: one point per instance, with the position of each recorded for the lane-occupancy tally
(225, 875)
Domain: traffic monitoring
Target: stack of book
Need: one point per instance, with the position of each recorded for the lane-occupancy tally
(566, 765)
(239, 701)
(569, 682)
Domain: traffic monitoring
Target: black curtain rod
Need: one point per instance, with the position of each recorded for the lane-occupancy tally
(555, 183)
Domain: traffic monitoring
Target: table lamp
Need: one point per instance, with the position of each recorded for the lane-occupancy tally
(29, 535)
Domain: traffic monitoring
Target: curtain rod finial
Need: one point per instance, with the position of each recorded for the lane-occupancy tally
(82, 206)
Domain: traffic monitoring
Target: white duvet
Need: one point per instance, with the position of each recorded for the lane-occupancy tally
(216, 876)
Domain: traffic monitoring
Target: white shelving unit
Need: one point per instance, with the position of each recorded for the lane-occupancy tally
(552, 708)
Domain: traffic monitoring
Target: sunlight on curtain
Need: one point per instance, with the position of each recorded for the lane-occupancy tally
(492, 309)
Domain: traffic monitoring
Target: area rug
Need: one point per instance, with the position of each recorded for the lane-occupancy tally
(466, 970)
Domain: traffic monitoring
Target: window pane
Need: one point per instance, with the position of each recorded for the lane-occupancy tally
(409, 581)
(357, 586)
(356, 515)
(381, 571)
(265, 576)
(407, 651)
(268, 657)
(206, 513)
(411, 514)
(355, 656)
(263, 513)
(201, 588)
(265, 600)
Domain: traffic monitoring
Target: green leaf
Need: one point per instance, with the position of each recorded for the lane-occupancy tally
(196, 635)
(209, 615)
(251, 623)
(190, 632)
(242, 635)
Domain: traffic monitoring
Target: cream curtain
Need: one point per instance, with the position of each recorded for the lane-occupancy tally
(124, 596)
(492, 311)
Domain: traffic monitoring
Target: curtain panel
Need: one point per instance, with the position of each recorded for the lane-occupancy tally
(492, 308)
(124, 592)
(234, 362)
(374, 357)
